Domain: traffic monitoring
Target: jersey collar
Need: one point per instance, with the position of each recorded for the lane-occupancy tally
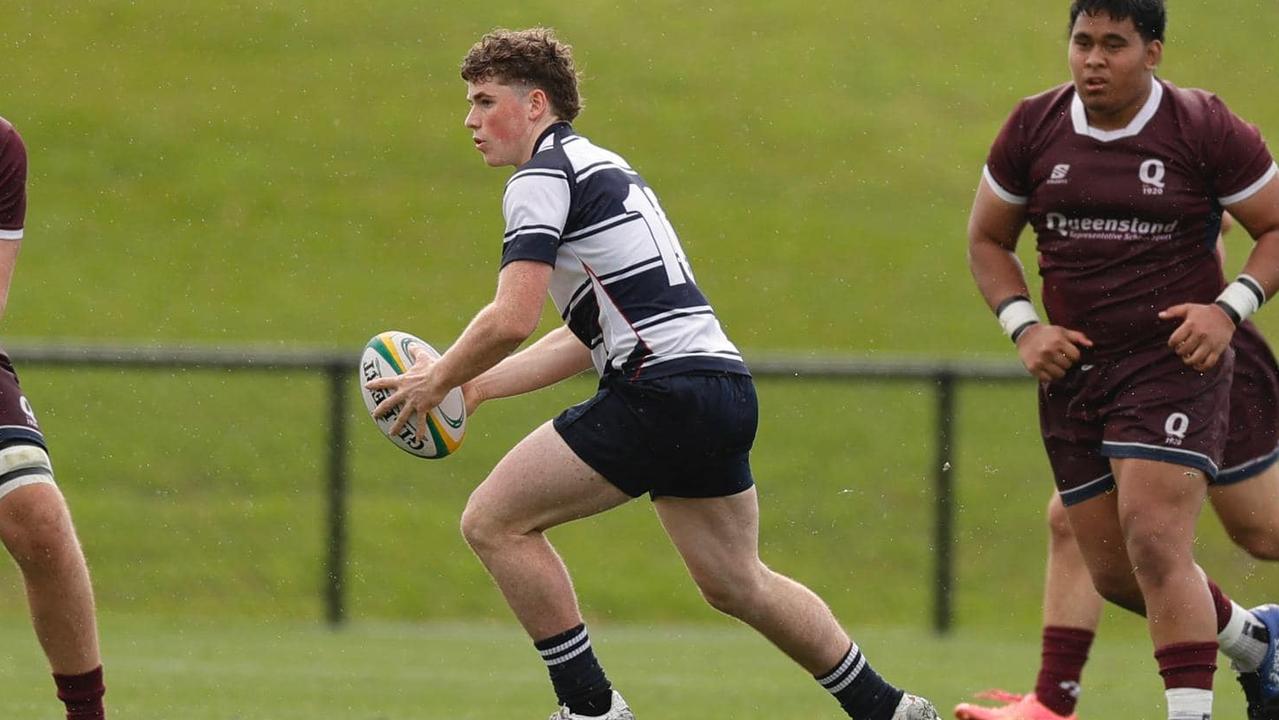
(1080, 117)
(546, 140)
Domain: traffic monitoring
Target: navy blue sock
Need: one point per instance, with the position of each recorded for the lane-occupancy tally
(577, 676)
(860, 690)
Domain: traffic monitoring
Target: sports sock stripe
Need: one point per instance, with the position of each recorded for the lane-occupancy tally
(846, 672)
(567, 650)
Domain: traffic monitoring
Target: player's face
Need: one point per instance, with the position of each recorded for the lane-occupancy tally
(1112, 67)
(500, 122)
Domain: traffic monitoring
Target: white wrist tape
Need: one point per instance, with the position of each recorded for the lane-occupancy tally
(1244, 296)
(1015, 315)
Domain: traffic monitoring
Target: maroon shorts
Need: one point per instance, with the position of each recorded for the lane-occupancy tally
(1147, 405)
(1253, 443)
(17, 419)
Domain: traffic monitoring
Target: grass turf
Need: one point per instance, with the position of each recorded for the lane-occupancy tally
(248, 670)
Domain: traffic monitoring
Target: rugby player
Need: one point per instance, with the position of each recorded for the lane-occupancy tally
(1124, 177)
(675, 415)
(1245, 496)
(35, 523)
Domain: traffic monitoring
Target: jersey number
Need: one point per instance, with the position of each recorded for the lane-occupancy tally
(644, 201)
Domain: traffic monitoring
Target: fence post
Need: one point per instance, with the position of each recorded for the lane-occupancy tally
(335, 569)
(943, 613)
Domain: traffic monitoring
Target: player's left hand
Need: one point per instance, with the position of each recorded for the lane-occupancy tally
(416, 390)
(1202, 337)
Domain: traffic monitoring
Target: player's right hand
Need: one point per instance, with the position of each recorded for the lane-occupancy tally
(1048, 351)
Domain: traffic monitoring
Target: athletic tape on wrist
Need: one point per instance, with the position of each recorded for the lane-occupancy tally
(1016, 315)
(1241, 298)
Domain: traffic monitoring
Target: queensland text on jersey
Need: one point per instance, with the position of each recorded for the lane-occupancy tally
(1127, 220)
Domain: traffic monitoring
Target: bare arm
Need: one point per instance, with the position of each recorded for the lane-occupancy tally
(1259, 215)
(1206, 329)
(556, 356)
(494, 333)
(498, 329)
(1047, 351)
(993, 227)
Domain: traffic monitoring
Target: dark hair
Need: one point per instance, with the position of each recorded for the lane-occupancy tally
(533, 57)
(1149, 16)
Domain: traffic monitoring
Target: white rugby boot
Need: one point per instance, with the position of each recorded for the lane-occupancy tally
(617, 711)
(913, 707)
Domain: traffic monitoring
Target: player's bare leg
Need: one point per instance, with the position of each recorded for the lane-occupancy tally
(1103, 541)
(36, 528)
(718, 539)
(1070, 600)
(1249, 510)
(1142, 536)
(1158, 505)
(539, 484)
(1072, 613)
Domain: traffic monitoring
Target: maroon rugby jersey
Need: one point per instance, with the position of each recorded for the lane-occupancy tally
(13, 182)
(1126, 220)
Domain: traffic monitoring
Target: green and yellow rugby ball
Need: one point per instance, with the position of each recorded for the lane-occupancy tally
(391, 353)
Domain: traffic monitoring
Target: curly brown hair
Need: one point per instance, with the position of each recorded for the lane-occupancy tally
(533, 57)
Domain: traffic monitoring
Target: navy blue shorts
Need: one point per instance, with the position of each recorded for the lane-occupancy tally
(685, 436)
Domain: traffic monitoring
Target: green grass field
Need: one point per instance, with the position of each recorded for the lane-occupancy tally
(245, 670)
(284, 173)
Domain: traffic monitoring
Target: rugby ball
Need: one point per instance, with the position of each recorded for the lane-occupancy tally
(389, 354)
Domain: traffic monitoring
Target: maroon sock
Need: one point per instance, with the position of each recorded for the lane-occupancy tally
(1187, 665)
(1221, 604)
(1065, 650)
(82, 694)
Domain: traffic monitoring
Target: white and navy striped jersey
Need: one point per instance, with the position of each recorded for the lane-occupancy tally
(621, 281)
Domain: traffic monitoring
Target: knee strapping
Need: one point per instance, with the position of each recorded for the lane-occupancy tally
(21, 465)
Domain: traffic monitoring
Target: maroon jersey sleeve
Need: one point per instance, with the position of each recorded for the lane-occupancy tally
(1008, 164)
(1237, 161)
(13, 182)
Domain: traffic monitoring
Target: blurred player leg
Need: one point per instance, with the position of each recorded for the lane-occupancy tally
(36, 528)
(1072, 612)
(719, 541)
(1249, 510)
(539, 484)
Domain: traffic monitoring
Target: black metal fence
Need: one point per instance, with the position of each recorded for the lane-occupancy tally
(339, 368)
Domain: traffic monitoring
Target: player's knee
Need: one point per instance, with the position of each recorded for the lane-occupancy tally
(1059, 528)
(485, 530)
(731, 591)
(1155, 555)
(477, 529)
(1120, 588)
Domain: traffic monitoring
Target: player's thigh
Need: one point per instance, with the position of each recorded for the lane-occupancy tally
(34, 519)
(1095, 524)
(539, 484)
(718, 537)
(1158, 497)
(1249, 510)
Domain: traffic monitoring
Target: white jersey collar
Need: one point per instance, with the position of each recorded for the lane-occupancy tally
(1080, 117)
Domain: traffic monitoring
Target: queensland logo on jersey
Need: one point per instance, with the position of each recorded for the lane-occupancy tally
(1151, 174)
(1133, 228)
(27, 410)
(1058, 175)
(1176, 426)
